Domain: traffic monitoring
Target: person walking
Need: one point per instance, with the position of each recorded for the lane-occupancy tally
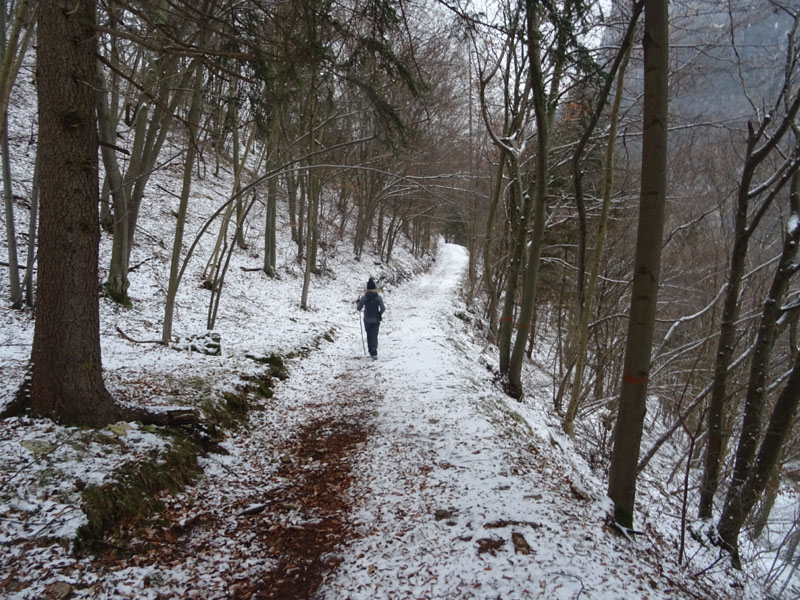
(372, 303)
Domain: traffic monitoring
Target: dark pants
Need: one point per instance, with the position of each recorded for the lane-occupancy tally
(372, 337)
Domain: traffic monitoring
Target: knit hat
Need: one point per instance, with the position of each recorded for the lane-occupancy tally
(371, 285)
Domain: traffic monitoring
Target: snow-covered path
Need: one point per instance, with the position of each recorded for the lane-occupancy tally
(456, 495)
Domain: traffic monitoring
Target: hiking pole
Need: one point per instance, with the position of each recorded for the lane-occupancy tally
(361, 326)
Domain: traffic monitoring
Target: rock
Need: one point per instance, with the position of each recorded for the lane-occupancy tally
(490, 545)
(443, 513)
(208, 343)
(59, 590)
(520, 543)
(119, 429)
(38, 447)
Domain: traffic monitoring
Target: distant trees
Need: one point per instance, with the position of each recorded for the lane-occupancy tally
(14, 42)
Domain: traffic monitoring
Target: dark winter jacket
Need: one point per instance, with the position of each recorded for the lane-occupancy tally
(372, 303)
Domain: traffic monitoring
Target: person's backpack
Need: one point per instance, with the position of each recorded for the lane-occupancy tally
(371, 306)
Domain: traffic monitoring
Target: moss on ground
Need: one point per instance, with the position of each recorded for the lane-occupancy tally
(134, 491)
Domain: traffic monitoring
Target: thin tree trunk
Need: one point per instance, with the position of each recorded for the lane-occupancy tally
(191, 151)
(15, 295)
(271, 223)
(13, 52)
(313, 199)
(515, 267)
(15, 290)
(117, 283)
(647, 265)
(301, 214)
(212, 266)
(585, 308)
(767, 503)
(291, 191)
(27, 284)
(538, 195)
(488, 268)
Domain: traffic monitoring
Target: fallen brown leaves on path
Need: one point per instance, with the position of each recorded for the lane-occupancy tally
(306, 552)
(292, 520)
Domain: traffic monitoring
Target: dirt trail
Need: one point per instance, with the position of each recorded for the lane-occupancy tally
(268, 523)
(320, 477)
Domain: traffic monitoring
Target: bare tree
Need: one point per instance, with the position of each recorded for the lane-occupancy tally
(13, 45)
(647, 265)
(752, 202)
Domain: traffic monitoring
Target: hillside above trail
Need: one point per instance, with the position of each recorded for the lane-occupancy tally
(412, 476)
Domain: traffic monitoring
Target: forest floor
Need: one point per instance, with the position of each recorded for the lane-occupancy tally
(407, 477)
(412, 476)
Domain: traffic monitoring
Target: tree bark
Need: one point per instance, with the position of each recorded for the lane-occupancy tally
(647, 265)
(67, 382)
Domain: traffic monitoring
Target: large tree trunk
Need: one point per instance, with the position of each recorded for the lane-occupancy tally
(647, 266)
(67, 380)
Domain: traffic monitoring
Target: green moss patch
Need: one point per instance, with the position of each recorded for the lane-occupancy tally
(133, 493)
